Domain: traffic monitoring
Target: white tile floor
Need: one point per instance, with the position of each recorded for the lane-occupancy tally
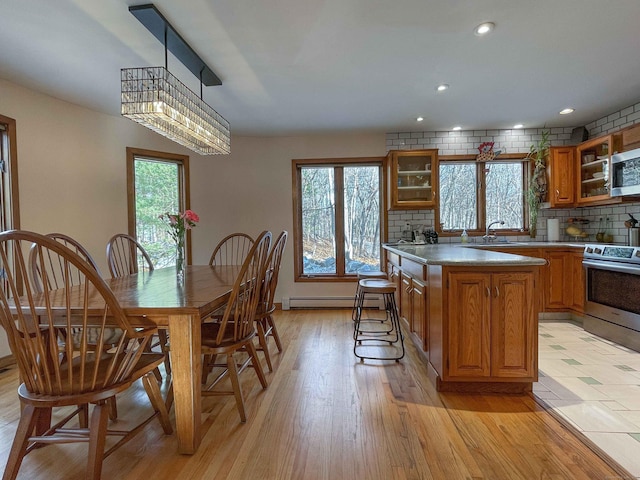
(595, 385)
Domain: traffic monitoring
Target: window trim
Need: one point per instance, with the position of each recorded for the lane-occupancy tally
(296, 169)
(10, 124)
(184, 188)
(481, 194)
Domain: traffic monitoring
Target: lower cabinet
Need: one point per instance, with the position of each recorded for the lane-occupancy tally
(419, 311)
(562, 282)
(565, 281)
(412, 302)
(559, 280)
(579, 282)
(491, 325)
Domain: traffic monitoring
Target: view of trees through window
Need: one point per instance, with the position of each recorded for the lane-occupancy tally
(340, 205)
(462, 199)
(156, 192)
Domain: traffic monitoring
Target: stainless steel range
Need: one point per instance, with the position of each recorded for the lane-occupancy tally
(612, 303)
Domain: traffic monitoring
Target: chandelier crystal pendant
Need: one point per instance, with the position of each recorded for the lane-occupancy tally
(155, 98)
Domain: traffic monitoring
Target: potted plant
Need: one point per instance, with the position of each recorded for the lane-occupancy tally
(537, 192)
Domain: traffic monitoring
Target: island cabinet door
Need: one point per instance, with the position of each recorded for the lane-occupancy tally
(405, 299)
(513, 332)
(418, 312)
(469, 324)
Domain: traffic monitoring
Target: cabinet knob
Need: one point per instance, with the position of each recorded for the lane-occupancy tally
(488, 291)
(497, 292)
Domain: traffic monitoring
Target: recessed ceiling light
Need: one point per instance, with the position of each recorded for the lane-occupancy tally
(566, 111)
(484, 28)
(518, 125)
(419, 119)
(442, 87)
(455, 129)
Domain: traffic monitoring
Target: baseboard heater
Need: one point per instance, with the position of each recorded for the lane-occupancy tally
(325, 302)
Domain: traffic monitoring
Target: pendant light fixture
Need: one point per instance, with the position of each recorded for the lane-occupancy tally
(155, 98)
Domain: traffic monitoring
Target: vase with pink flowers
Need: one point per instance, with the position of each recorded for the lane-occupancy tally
(179, 223)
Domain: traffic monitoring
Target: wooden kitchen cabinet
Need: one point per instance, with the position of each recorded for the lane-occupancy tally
(405, 299)
(593, 180)
(418, 311)
(410, 277)
(579, 284)
(565, 281)
(561, 171)
(559, 288)
(413, 178)
(491, 325)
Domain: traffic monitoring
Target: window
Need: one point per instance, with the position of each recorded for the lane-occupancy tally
(474, 194)
(338, 214)
(157, 183)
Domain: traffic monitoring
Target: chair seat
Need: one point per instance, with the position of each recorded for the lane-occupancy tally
(376, 285)
(147, 363)
(209, 333)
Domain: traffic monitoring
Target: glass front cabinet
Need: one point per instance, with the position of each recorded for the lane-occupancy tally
(413, 178)
(594, 177)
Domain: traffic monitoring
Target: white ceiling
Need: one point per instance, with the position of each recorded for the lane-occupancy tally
(300, 66)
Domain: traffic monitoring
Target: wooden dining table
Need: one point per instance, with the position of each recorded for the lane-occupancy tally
(179, 306)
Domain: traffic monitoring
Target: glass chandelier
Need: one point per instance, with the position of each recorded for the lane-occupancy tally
(155, 98)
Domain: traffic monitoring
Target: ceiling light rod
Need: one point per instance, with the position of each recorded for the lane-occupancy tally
(160, 27)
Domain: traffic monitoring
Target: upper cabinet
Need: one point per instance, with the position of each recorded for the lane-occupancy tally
(413, 179)
(561, 173)
(594, 169)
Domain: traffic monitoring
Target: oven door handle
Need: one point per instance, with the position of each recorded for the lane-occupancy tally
(612, 266)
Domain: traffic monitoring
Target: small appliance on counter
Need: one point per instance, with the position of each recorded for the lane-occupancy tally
(431, 236)
(407, 233)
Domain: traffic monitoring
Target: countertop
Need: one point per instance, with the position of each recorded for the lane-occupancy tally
(459, 255)
(527, 244)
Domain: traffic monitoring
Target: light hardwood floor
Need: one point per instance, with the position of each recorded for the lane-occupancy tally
(327, 416)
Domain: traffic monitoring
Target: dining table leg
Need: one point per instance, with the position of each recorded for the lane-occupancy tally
(185, 347)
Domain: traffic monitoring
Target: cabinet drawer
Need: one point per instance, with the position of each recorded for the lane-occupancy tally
(414, 269)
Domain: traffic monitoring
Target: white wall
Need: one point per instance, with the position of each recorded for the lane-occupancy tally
(72, 178)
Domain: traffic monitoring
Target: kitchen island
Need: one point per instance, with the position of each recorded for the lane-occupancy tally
(473, 313)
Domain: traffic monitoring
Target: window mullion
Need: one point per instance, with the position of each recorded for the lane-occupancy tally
(482, 196)
(339, 216)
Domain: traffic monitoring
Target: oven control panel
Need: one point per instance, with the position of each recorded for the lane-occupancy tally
(615, 253)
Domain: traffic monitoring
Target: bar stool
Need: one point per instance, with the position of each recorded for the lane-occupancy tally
(362, 276)
(388, 336)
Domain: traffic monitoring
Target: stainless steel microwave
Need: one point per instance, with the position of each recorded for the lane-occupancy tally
(625, 173)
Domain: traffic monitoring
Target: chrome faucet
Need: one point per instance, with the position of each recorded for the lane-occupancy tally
(489, 237)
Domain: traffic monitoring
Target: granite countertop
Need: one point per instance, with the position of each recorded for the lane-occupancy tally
(458, 255)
